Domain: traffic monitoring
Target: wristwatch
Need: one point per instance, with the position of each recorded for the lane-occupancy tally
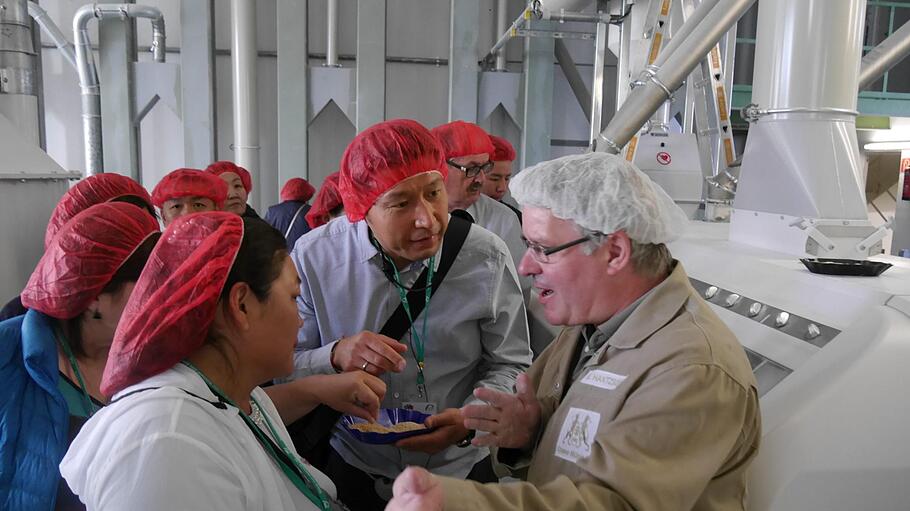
(466, 441)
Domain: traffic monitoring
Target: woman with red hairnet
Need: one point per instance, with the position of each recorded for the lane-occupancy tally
(327, 204)
(92, 190)
(52, 358)
(212, 317)
(239, 183)
(289, 217)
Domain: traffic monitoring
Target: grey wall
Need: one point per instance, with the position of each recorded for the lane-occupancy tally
(414, 29)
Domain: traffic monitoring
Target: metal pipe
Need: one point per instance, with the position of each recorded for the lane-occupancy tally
(501, 20)
(331, 33)
(884, 56)
(622, 56)
(88, 75)
(246, 108)
(574, 78)
(597, 84)
(90, 91)
(680, 36)
(18, 65)
(657, 82)
(53, 31)
(510, 33)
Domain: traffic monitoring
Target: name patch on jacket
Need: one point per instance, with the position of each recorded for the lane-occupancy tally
(577, 434)
(603, 379)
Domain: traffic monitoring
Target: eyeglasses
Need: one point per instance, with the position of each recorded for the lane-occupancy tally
(472, 172)
(542, 254)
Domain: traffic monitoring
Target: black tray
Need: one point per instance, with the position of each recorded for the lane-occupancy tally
(852, 267)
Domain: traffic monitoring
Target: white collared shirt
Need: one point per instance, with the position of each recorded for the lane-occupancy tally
(166, 449)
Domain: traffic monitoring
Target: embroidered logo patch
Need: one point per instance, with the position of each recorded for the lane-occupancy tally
(577, 434)
(603, 379)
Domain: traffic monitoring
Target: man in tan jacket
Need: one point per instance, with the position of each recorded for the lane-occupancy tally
(645, 400)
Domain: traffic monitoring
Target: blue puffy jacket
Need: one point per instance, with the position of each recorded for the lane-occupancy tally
(33, 414)
(279, 216)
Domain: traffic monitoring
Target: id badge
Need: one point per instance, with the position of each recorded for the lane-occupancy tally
(420, 406)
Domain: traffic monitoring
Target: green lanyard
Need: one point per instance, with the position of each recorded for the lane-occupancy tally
(90, 407)
(417, 344)
(306, 484)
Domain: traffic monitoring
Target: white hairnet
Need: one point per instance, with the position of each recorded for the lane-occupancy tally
(601, 192)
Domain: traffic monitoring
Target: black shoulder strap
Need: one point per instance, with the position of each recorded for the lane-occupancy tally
(456, 233)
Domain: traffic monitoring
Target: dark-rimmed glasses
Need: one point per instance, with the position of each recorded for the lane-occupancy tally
(542, 254)
(473, 171)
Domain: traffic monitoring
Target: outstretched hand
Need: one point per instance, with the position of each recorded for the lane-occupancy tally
(512, 420)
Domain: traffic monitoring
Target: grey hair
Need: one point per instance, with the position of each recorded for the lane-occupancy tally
(649, 259)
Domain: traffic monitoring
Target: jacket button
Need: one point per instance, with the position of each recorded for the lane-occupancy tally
(395, 395)
(556, 386)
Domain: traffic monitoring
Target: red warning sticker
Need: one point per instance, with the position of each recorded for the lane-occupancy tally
(664, 158)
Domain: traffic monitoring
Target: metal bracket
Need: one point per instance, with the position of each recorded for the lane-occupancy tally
(52, 176)
(808, 226)
(525, 32)
(607, 142)
(875, 237)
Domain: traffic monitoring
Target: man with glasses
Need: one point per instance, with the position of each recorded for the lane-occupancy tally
(646, 400)
(467, 151)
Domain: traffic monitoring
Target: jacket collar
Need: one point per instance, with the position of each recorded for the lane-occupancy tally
(659, 307)
(39, 350)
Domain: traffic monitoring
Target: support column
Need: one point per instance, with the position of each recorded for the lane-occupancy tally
(117, 43)
(537, 101)
(246, 103)
(597, 85)
(293, 90)
(463, 69)
(371, 23)
(197, 82)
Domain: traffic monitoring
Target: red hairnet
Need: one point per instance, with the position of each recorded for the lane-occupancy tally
(172, 307)
(190, 183)
(84, 256)
(326, 200)
(382, 156)
(459, 138)
(297, 188)
(221, 167)
(88, 192)
(502, 149)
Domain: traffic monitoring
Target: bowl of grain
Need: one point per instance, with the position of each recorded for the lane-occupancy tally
(393, 425)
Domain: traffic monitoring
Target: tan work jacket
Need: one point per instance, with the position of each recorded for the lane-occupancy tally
(663, 417)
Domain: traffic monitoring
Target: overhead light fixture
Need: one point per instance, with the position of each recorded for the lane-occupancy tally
(900, 145)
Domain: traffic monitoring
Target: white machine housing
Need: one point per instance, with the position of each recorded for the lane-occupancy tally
(832, 377)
